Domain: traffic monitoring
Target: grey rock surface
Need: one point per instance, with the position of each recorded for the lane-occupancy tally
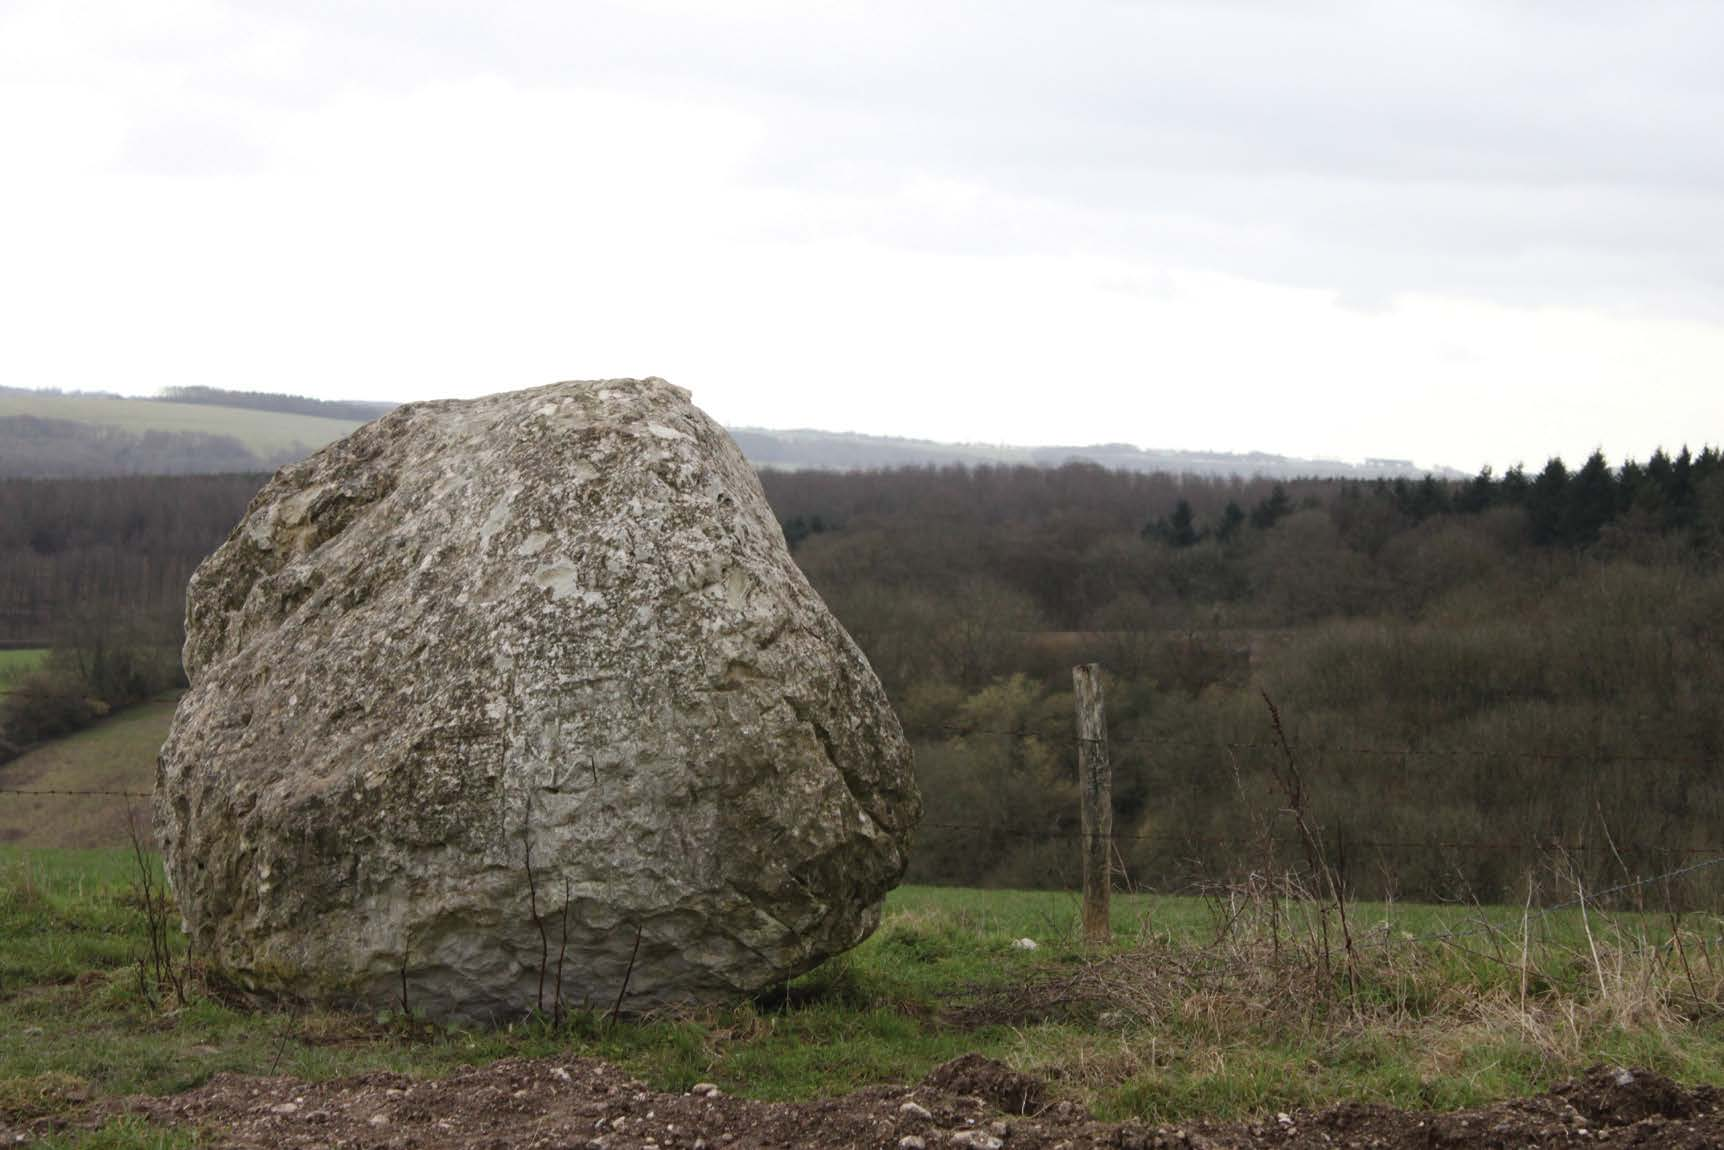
(496, 692)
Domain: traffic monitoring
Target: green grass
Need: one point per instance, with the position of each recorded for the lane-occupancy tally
(1423, 1025)
(265, 432)
(117, 754)
(20, 661)
(127, 1133)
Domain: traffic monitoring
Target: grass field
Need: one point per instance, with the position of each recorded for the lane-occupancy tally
(1199, 1007)
(264, 432)
(1181, 1016)
(117, 754)
(17, 662)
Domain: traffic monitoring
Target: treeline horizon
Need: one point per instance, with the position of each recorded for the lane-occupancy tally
(363, 411)
(1066, 540)
(1542, 652)
(1563, 507)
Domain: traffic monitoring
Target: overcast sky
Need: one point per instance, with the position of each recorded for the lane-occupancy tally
(1456, 233)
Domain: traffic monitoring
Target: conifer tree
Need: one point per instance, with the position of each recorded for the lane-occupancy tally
(1182, 530)
(1547, 504)
(1274, 507)
(1590, 502)
(1232, 519)
(1478, 494)
(1514, 486)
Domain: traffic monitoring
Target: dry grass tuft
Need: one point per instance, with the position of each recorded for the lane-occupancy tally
(1275, 972)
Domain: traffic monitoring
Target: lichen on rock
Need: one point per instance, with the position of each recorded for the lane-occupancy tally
(498, 692)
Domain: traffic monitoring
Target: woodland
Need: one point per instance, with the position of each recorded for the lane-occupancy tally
(1488, 689)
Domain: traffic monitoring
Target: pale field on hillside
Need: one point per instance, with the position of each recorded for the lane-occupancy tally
(265, 432)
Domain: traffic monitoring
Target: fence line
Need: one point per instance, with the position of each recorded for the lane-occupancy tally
(1095, 837)
(1553, 846)
(1348, 749)
(1040, 835)
(52, 791)
(1445, 934)
(1634, 884)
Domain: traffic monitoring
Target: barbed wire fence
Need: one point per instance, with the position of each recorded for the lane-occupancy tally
(1216, 837)
(75, 793)
(1282, 834)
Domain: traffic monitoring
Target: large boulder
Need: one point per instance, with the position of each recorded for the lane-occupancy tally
(519, 700)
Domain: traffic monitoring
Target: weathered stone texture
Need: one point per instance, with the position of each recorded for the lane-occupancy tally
(558, 622)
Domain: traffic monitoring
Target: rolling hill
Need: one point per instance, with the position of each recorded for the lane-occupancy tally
(212, 437)
(263, 433)
(844, 451)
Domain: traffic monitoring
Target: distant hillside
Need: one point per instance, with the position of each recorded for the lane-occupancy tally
(343, 409)
(269, 430)
(271, 437)
(32, 448)
(840, 451)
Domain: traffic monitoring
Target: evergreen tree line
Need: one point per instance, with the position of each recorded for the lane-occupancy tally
(1563, 508)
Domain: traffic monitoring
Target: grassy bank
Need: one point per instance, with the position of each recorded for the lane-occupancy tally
(1215, 1008)
(116, 754)
(19, 661)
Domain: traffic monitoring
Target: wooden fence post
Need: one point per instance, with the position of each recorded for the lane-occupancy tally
(1095, 789)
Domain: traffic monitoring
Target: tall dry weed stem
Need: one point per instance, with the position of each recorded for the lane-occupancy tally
(161, 974)
(1560, 984)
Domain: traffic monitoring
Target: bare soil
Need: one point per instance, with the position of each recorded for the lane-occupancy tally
(588, 1104)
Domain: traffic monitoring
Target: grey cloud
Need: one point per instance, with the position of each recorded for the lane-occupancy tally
(1522, 152)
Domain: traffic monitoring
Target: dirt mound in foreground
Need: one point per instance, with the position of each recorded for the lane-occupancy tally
(580, 1103)
(993, 1082)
